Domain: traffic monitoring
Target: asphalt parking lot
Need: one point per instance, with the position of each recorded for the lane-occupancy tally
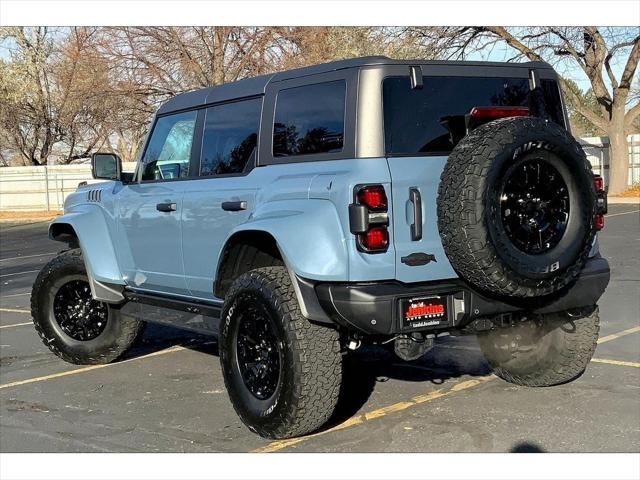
(168, 394)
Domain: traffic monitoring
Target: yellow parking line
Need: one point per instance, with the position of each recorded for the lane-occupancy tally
(381, 412)
(16, 325)
(616, 362)
(15, 310)
(613, 336)
(177, 348)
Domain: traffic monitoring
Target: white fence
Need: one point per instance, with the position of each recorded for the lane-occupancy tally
(597, 150)
(42, 188)
(45, 188)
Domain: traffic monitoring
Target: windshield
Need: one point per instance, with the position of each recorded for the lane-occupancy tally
(432, 119)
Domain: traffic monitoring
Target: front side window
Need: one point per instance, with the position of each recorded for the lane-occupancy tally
(309, 119)
(169, 151)
(431, 119)
(230, 137)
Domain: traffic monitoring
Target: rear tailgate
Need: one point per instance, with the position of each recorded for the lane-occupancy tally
(414, 191)
(423, 121)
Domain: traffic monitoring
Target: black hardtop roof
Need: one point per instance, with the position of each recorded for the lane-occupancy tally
(257, 85)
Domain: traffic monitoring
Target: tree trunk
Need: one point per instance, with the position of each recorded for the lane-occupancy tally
(218, 55)
(618, 155)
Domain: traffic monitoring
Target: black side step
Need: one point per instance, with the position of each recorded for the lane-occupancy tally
(197, 307)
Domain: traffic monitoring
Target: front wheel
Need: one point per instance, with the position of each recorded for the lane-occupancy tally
(70, 322)
(547, 351)
(282, 372)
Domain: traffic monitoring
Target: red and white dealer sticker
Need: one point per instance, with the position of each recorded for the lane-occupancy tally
(424, 312)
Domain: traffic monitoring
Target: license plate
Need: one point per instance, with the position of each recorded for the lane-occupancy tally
(424, 312)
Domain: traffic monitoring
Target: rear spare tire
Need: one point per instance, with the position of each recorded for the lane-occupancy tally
(516, 207)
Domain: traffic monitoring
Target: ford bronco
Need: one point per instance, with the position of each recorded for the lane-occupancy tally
(303, 214)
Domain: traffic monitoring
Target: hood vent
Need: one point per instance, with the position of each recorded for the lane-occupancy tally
(94, 195)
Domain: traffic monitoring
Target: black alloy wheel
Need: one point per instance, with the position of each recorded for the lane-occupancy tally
(534, 206)
(77, 313)
(282, 372)
(258, 351)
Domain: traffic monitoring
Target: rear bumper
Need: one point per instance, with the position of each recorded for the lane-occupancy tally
(373, 308)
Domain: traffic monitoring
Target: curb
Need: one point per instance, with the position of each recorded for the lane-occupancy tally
(624, 200)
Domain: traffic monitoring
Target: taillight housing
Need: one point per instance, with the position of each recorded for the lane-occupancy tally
(601, 202)
(369, 218)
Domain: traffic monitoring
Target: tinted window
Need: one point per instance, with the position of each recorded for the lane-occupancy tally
(169, 150)
(432, 119)
(552, 102)
(230, 137)
(309, 119)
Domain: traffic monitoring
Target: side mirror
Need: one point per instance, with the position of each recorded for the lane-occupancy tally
(106, 166)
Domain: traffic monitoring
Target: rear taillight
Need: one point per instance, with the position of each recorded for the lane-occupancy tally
(369, 218)
(376, 238)
(601, 202)
(598, 182)
(498, 112)
(374, 197)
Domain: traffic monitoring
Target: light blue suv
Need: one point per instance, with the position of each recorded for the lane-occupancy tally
(303, 214)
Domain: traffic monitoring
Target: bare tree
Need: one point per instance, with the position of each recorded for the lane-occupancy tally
(310, 45)
(26, 116)
(595, 51)
(54, 98)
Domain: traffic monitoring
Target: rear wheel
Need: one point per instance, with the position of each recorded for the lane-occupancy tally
(282, 372)
(548, 351)
(70, 322)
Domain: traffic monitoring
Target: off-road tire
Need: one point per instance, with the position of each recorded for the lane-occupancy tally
(553, 350)
(469, 217)
(311, 362)
(119, 334)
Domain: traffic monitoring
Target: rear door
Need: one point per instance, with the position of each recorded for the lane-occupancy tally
(223, 196)
(422, 125)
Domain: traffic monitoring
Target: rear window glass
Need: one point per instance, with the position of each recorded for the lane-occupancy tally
(431, 119)
(309, 119)
(230, 137)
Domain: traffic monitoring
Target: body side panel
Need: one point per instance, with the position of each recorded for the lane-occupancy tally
(95, 226)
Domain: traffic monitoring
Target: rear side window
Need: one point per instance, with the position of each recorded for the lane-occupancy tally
(552, 102)
(230, 137)
(169, 151)
(431, 119)
(309, 119)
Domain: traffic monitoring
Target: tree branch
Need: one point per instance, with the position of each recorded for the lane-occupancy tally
(577, 105)
(630, 67)
(631, 115)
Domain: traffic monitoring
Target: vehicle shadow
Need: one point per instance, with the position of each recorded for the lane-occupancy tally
(363, 369)
(158, 337)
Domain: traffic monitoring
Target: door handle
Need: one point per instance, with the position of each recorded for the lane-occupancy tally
(416, 226)
(234, 206)
(166, 207)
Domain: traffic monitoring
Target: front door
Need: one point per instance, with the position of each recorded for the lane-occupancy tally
(149, 211)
